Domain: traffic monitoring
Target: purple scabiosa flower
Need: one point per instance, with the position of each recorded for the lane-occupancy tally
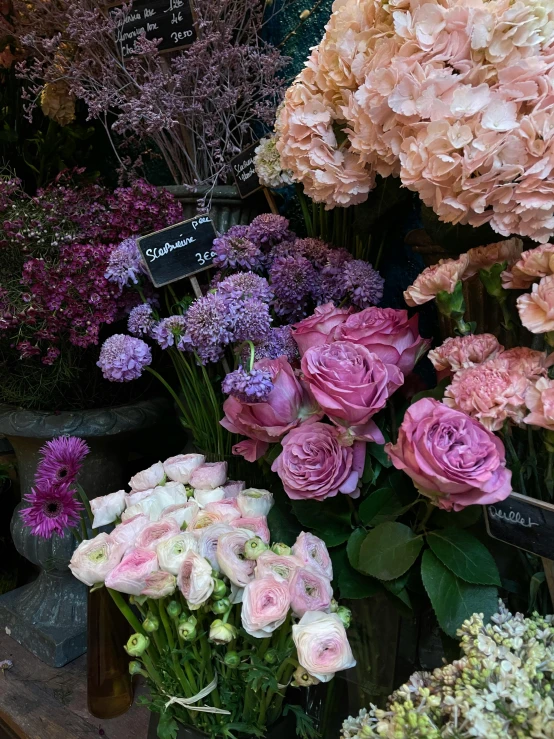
(268, 229)
(62, 459)
(210, 322)
(125, 264)
(279, 342)
(364, 283)
(252, 322)
(171, 332)
(244, 285)
(293, 280)
(316, 250)
(141, 321)
(53, 509)
(123, 358)
(248, 387)
(235, 249)
(332, 285)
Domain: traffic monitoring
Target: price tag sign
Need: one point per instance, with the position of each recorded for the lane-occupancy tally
(179, 251)
(244, 172)
(172, 21)
(523, 522)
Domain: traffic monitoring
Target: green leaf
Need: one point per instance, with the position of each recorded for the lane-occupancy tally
(351, 584)
(329, 519)
(272, 453)
(461, 519)
(437, 392)
(378, 451)
(167, 726)
(353, 546)
(382, 505)
(464, 555)
(282, 524)
(389, 550)
(454, 600)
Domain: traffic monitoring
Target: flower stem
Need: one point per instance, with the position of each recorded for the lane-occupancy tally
(169, 389)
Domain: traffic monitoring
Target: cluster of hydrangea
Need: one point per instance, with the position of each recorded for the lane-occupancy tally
(500, 688)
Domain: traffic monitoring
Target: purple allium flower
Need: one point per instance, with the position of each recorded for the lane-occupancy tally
(141, 321)
(252, 322)
(234, 249)
(62, 459)
(364, 283)
(210, 322)
(244, 285)
(332, 286)
(248, 387)
(53, 509)
(123, 358)
(125, 264)
(171, 332)
(293, 280)
(268, 229)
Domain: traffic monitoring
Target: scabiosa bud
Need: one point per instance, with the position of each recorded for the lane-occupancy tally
(210, 326)
(137, 645)
(123, 358)
(248, 387)
(268, 229)
(125, 264)
(141, 321)
(244, 285)
(252, 321)
(280, 549)
(234, 249)
(171, 332)
(222, 633)
(151, 623)
(364, 283)
(293, 280)
(254, 547)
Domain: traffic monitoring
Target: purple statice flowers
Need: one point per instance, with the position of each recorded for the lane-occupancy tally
(248, 387)
(123, 358)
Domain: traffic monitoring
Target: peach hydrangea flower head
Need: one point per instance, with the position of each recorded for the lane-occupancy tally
(461, 352)
(434, 279)
(530, 267)
(536, 309)
(484, 257)
(490, 393)
(540, 401)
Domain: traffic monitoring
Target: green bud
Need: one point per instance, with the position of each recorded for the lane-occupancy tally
(271, 656)
(492, 280)
(303, 679)
(137, 600)
(220, 589)
(281, 549)
(334, 606)
(151, 623)
(345, 615)
(137, 645)
(254, 547)
(232, 659)
(222, 633)
(174, 609)
(135, 668)
(186, 630)
(221, 606)
(189, 490)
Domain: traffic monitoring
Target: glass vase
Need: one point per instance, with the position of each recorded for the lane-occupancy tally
(109, 686)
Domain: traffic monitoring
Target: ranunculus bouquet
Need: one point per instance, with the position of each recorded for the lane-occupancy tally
(224, 622)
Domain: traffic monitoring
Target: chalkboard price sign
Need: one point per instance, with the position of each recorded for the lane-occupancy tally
(179, 251)
(523, 522)
(172, 21)
(244, 173)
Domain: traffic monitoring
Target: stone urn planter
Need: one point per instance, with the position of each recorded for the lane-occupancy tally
(227, 207)
(48, 616)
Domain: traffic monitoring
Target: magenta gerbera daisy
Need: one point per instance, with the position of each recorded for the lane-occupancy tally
(53, 509)
(62, 459)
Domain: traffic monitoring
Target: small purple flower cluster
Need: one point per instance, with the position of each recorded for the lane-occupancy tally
(123, 358)
(248, 387)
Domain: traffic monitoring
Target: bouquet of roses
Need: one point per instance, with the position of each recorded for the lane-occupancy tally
(223, 621)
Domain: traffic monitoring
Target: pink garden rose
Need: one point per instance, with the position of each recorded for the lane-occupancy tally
(265, 605)
(322, 645)
(131, 574)
(460, 352)
(451, 457)
(315, 330)
(267, 422)
(386, 332)
(311, 550)
(435, 279)
(314, 464)
(536, 309)
(540, 401)
(309, 591)
(351, 385)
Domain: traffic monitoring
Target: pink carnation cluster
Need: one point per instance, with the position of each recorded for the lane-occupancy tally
(452, 97)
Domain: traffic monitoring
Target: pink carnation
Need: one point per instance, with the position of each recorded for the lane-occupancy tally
(484, 257)
(536, 309)
(533, 264)
(540, 401)
(461, 352)
(437, 278)
(529, 362)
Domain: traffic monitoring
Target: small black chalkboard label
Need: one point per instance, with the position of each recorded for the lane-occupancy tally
(172, 21)
(523, 522)
(244, 173)
(179, 251)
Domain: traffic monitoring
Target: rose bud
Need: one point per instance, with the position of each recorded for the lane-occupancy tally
(281, 549)
(151, 623)
(209, 476)
(221, 606)
(222, 633)
(137, 645)
(254, 502)
(254, 547)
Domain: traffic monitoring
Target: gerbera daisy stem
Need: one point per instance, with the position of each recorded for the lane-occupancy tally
(85, 501)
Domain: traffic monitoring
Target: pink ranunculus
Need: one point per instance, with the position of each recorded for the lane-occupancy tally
(209, 475)
(267, 422)
(258, 526)
(226, 508)
(265, 605)
(233, 488)
(313, 552)
(156, 532)
(315, 330)
(203, 519)
(540, 401)
(536, 309)
(489, 392)
(94, 559)
(106, 508)
(149, 478)
(230, 556)
(127, 531)
(461, 352)
(322, 645)
(451, 457)
(134, 498)
(182, 513)
(309, 591)
(484, 257)
(204, 497)
(351, 385)
(171, 552)
(437, 278)
(280, 566)
(181, 467)
(207, 542)
(131, 573)
(386, 332)
(159, 585)
(314, 464)
(195, 580)
(254, 502)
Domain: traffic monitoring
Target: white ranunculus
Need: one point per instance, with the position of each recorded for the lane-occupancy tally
(322, 645)
(94, 559)
(265, 604)
(181, 467)
(209, 475)
(195, 580)
(148, 478)
(138, 497)
(127, 531)
(183, 514)
(107, 508)
(253, 503)
(173, 551)
(203, 497)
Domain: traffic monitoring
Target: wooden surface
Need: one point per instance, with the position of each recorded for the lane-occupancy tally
(41, 702)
